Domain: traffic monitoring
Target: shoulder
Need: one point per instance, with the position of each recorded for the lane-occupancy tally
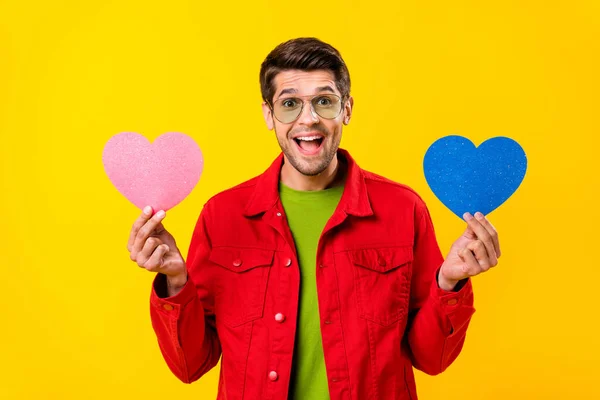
(394, 198)
(380, 186)
(235, 196)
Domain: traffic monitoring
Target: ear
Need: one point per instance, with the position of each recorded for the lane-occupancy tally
(268, 116)
(348, 110)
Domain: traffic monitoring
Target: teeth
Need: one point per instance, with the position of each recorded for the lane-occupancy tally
(309, 138)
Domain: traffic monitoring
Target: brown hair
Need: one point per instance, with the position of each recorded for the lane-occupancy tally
(307, 54)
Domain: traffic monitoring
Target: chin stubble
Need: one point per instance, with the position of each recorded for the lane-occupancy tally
(319, 168)
(298, 164)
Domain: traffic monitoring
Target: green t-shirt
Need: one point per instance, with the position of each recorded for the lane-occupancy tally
(307, 214)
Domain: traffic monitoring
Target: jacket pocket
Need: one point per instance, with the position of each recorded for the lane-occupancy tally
(242, 283)
(382, 282)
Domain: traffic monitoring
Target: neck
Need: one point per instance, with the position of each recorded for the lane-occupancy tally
(330, 177)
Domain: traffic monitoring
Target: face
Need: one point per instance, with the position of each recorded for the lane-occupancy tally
(310, 142)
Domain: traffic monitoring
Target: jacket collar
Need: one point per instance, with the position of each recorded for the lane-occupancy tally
(354, 201)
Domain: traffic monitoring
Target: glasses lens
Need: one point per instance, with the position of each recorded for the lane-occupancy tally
(287, 110)
(327, 106)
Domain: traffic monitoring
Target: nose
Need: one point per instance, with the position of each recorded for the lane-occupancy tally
(308, 116)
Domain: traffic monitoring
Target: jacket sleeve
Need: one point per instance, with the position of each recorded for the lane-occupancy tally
(185, 323)
(438, 319)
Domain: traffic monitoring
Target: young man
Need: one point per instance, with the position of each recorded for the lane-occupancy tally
(316, 279)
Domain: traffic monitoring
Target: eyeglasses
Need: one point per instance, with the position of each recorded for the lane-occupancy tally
(288, 109)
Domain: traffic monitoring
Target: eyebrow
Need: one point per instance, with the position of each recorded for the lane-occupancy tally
(319, 90)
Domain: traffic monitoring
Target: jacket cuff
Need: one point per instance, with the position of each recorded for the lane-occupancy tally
(173, 304)
(457, 306)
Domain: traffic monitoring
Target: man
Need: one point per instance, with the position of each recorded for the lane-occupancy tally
(316, 279)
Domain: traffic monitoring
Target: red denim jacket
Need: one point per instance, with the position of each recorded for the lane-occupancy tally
(381, 309)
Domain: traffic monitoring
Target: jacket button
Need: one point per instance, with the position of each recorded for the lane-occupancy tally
(452, 302)
(237, 262)
(273, 376)
(381, 261)
(279, 317)
(288, 262)
(168, 307)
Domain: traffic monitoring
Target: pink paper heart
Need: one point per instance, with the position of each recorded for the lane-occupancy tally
(159, 174)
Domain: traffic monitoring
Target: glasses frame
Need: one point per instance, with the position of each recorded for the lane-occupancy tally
(312, 107)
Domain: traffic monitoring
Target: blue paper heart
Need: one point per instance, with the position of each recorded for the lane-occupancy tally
(468, 178)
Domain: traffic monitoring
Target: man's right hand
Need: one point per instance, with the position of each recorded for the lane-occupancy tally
(152, 247)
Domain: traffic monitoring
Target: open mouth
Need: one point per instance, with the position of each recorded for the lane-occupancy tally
(309, 145)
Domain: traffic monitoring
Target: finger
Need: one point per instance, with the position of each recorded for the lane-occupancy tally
(481, 255)
(156, 261)
(483, 235)
(491, 230)
(471, 267)
(149, 247)
(146, 230)
(469, 234)
(139, 222)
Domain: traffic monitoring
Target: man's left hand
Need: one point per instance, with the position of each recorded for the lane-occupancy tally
(476, 251)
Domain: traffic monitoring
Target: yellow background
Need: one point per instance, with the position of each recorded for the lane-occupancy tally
(74, 319)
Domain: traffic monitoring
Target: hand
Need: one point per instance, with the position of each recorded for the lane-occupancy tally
(476, 251)
(152, 247)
